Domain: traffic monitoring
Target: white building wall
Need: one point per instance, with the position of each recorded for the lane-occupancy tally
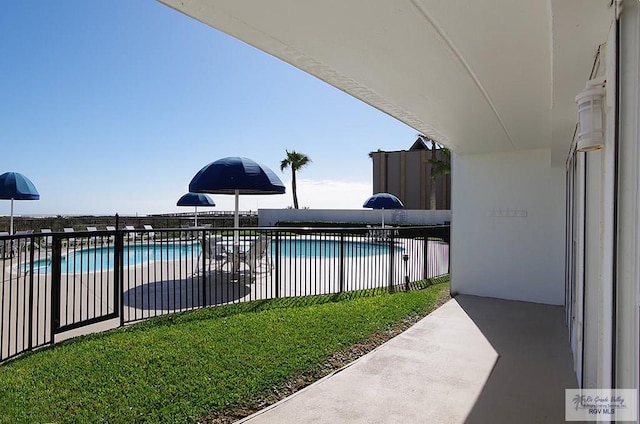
(508, 226)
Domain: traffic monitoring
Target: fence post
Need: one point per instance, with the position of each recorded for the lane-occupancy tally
(205, 254)
(425, 254)
(32, 239)
(405, 259)
(341, 264)
(56, 271)
(277, 272)
(391, 259)
(118, 271)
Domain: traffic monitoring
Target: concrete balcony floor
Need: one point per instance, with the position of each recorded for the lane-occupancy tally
(473, 360)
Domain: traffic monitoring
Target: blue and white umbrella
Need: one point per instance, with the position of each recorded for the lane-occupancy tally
(195, 200)
(383, 201)
(16, 186)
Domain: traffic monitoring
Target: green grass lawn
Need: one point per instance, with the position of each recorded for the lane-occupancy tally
(186, 367)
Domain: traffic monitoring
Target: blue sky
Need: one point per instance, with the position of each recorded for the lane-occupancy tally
(113, 106)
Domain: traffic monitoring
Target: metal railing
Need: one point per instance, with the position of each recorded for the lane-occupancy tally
(89, 281)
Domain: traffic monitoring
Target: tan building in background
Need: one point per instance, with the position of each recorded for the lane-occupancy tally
(407, 175)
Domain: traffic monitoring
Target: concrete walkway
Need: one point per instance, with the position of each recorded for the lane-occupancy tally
(473, 360)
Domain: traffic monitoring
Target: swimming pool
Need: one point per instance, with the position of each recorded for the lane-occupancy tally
(329, 248)
(103, 257)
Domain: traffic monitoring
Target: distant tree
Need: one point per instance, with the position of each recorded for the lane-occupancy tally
(438, 167)
(295, 161)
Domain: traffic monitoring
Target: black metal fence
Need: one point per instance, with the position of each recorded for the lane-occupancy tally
(57, 285)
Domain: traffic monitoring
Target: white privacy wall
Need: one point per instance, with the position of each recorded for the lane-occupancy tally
(508, 226)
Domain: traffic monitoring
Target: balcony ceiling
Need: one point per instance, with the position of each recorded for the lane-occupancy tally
(478, 76)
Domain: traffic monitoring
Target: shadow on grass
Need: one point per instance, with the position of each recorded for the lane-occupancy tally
(287, 302)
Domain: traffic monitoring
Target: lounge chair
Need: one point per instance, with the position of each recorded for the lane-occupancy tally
(111, 228)
(46, 240)
(149, 234)
(93, 239)
(71, 240)
(130, 233)
(22, 243)
(5, 246)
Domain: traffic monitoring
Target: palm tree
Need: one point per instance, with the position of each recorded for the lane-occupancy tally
(438, 167)
(295, 161)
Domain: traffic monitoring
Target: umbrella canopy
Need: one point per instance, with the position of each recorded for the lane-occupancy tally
(383, 201)
(236, 175)
(16, 186)
(195, 200)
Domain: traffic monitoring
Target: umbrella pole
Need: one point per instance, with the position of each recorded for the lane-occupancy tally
(196, 215)
(382, 217)
(11, 220)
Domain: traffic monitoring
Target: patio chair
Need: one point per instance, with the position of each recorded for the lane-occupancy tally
(376, 233)
(213, 251)
(255, 256)
(188, 235)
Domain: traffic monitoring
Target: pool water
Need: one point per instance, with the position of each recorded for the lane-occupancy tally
(329, 248)
(103, 257)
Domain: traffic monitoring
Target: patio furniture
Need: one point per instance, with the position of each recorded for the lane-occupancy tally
(5, 246)
(92, 239)
(71, 241)
(213, 251)
(150, 235)
(22, 243)
(110, 228)
(186, 234)
(131, 235)
(46, 240)
(254, 257)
